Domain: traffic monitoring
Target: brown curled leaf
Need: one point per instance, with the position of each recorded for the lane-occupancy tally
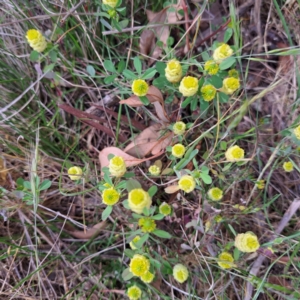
(89, 233)
(129, 160)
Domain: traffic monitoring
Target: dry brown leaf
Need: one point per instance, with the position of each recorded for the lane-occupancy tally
(144, 142)
(147, 40)
(172, 189)
(89, 233)
(163, 143)
(153, 95)
(279, 281)
(149, 140)
(133, 101)
(160, 112)
(3, 171)
(129, 160)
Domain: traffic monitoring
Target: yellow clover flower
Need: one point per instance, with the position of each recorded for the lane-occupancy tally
(147, 224)
(211, 67)
(139, 265)
(107, 185)
(180, 273)
(230, 85)
(75, 173)
(179, 128)
(110, 196)
(140, 87)
(247, 242)
(165, 209)
(218, 218)
(178, 150)
(288, 166)
(222, 52)
(297, 132)
(260, 184)
(207, 226)
(240, 207)
(215, 194)
(188, 86)
(111, 3)
(148, 277)
(173, 71)
(135, 240)
(154, 170)
(234, 153)
(187, 183)
(134, 293)
(117, 166)
(233, 73)
(138, 199)
(36, 40)
(225, 260)
(208, 92)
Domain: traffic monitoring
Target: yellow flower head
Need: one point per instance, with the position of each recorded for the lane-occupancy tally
(135, 240)
(179, 128)
(75, 173)
(207, 226)
(188, 86)
(187, 183)
(147, 224)
(36, 40)
(208, 92)
(211, 67)
(148, 277)
(180, 273)
(140, 87)
(173, 71)
(247, 242)
(225, 260)
(215, 194)
(297, 132)
(112, 13)
(117, 166)
(165, 209)
(107, 185)
(154, 170)
(111, 3)
(222, 52)
(139, 265)
(233, 73)
(178, 150)
(234, 153)
(110, 196)
(240, 207)
(138, 199)
(288, 166)
(260, 184)
(230, 85)
(134, 293)
(218, 218)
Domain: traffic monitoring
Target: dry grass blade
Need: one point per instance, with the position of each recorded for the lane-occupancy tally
(295, 205)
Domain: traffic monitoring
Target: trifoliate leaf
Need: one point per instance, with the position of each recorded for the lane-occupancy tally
(90, 69)
(106, 213)
(162, 234)
(127, 275)
(109, 66)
